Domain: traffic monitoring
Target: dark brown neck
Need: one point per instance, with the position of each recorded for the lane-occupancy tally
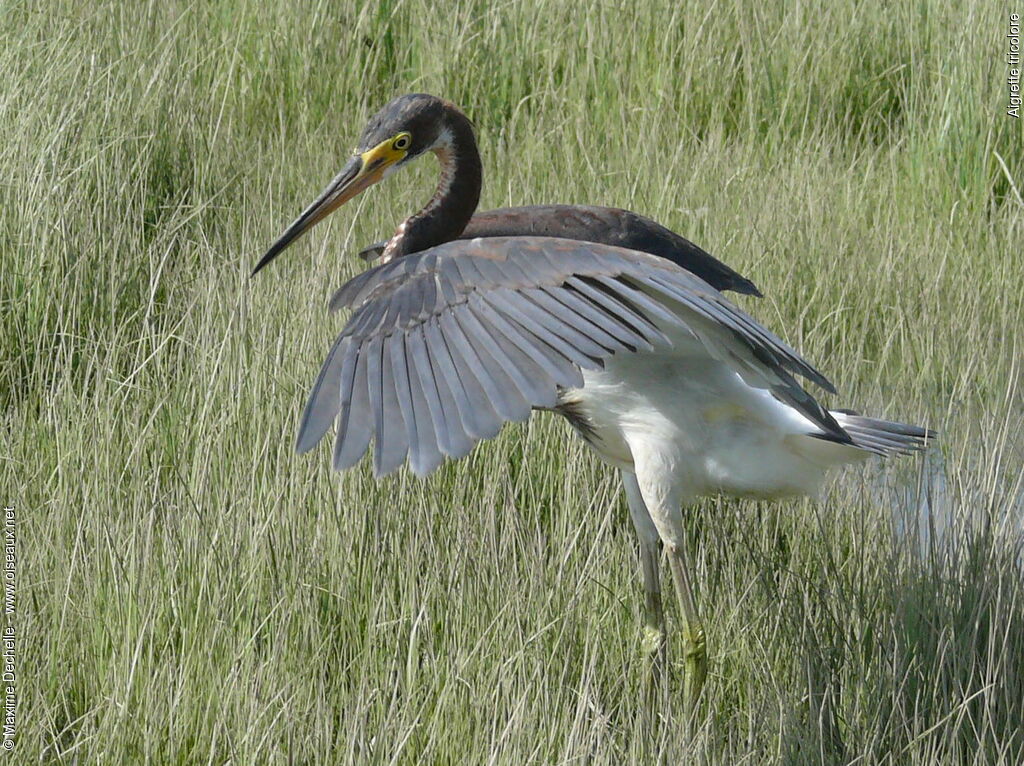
(445, 216)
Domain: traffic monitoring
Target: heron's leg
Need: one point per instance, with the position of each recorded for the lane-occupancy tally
(663, 492)
(654, 616)
(696, 657)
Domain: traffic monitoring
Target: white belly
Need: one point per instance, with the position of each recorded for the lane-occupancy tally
(717, 433)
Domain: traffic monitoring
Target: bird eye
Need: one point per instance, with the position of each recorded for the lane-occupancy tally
(401, 142)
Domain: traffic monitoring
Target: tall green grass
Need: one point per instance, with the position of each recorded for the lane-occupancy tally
(193, 592)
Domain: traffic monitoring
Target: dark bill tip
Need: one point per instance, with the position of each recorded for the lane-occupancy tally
(330, 198)
(288, 237)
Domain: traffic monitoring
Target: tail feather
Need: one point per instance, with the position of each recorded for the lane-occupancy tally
(883, 437)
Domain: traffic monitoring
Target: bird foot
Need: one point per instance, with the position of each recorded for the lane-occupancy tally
(695, 658)
(652, 641)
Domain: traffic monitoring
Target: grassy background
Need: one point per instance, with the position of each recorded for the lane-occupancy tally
(193, 592)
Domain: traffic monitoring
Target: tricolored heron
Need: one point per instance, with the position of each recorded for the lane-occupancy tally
(600, 315)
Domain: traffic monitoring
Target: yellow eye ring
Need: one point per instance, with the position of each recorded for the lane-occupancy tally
(401, 142)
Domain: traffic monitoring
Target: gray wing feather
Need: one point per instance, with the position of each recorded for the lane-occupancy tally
(517, 308)
(765, 344)
(508, 403)
(610, 326)
(325, 399)
(426, 455)
(639, 325)
(459, 442)
(390, 444)
(514, 391)
(451, 437)
(786, 389)
(354, 425)
(553, 364)
(877, 446)
(479, 420)
(536, 388)
(471, 273)
(490, 273)
(883, 436)
(444, 345)
(401, 369)
(642, 300)
(558, 318)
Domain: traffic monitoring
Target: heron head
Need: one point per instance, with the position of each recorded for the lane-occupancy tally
(404, 129)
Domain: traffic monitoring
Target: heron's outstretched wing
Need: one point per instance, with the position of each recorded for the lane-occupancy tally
(445, 345)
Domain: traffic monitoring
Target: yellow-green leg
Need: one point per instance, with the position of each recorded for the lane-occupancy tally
(653, 638)
(654, 616)
(661, 488)
(695, 644)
